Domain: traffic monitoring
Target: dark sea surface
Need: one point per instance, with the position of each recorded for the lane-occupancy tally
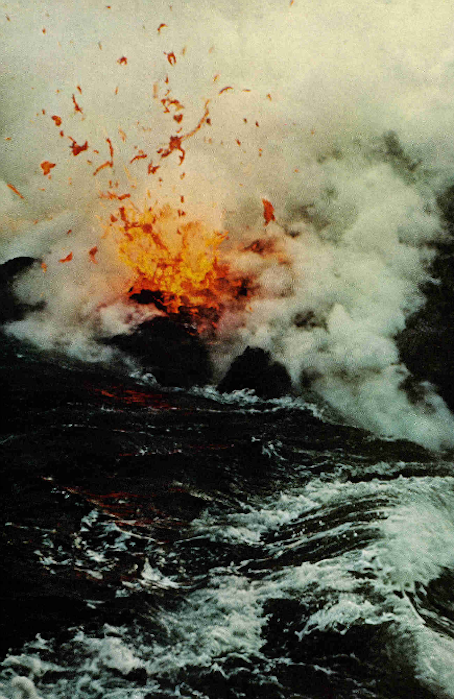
(168, 543)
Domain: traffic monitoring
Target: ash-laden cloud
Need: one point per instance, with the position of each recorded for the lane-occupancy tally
(339, 114)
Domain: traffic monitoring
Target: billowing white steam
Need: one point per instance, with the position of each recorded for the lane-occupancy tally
(340, 114)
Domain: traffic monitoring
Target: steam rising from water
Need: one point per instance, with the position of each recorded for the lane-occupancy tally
(339, 114)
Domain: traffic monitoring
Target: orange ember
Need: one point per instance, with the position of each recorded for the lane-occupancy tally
(76, 149)
(46, 167)
(268, 211)
(140, 155)
(108, 163)
(76, 106)
(176, 141)
(175, 265)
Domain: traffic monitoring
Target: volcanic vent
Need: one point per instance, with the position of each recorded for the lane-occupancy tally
(176, 265)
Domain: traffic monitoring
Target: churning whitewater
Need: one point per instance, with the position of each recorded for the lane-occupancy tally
(226, 308)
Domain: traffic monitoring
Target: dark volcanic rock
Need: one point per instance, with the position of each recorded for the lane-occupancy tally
(255, 369)
(10, 269)
(170, 351)
(426, 344)
(145, 297)
(10, 308)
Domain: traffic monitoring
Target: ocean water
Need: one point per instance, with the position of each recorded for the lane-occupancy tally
(211, 194)
(178, 543)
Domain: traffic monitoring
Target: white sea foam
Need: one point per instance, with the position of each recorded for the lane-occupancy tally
(24, 688)
(368, 585)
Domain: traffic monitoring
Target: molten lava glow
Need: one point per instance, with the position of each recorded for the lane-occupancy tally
(177, 262)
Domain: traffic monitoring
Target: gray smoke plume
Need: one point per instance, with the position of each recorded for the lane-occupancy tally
(339, 114)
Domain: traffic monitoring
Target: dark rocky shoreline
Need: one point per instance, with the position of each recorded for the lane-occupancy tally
(76, 438)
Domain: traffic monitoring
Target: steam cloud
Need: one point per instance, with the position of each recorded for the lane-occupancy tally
(340, 114)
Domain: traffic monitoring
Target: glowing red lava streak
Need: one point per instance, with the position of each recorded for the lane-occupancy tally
(16, 191)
